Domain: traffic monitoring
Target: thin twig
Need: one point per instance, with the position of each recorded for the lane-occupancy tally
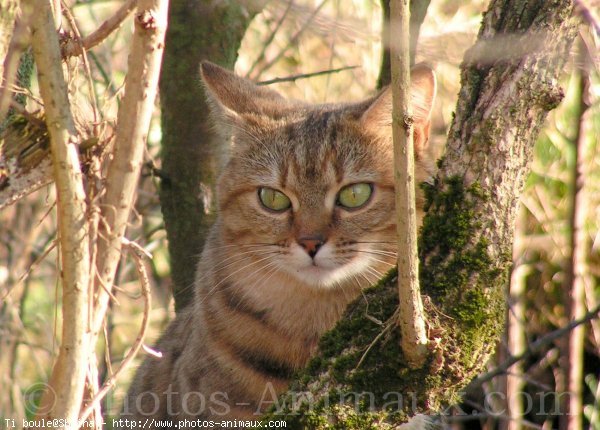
(304, 76)
(536, 347)
(292, 41)
(411, 316)
(102, 32)
(18, 43)
(133, 121)
(576, 266)
(30, 269)
(390, 323)
(137, 253)
(86, 63)
(267, 42)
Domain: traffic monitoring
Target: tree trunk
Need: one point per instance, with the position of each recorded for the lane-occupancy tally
(191, 151)
(465, 242)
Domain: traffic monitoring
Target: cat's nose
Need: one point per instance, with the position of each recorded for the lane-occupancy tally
(311, 244)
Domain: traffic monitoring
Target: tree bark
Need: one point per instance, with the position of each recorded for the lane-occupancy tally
(465, 242)
(62, 398)
(191, 149)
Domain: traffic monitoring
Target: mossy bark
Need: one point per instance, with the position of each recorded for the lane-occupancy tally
(360, 379)
(198, 30)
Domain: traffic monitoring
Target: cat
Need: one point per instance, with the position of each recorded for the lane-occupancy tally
(305, 221)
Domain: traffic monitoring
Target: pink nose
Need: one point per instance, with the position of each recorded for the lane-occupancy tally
(311, 244)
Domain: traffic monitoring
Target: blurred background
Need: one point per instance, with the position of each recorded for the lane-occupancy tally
(302, 37)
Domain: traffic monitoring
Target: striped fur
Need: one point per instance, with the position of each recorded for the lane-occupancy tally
(261, 302)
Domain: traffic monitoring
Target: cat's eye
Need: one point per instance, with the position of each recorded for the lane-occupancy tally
(355, 195)
(273, 199)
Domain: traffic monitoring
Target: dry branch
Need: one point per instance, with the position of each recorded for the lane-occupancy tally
(138, 254)
(294, 78)
(63, 399)
(133, 122)
(412, 323)
(576, 267)
(75, 47)
(11, 49)
(22, 174)
(292, 42)
(539, 345)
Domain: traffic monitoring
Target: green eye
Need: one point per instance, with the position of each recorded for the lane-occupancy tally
(273, 199)
(355, 195)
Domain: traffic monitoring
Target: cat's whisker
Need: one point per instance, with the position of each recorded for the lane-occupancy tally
(358, 283)
(212, 290)
(252, 251)
(273, 270)
(270, 269)
(270, 265)
(241, 245)
(240, 260)
(371, 258)
(267, 246)
(344, 290)
(374, 242)
(370, 281)
(239, 257)
(383, 252)
(375, 272)
(377, 252)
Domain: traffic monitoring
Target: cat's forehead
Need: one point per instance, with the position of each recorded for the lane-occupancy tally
(314, 148)
(322, 145)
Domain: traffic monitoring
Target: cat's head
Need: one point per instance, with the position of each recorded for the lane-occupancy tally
(309, 189)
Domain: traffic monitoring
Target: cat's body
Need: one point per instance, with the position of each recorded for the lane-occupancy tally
(306, 220)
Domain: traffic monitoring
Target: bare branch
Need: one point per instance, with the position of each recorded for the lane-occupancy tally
(76, 47)
(63, 399)
(305, 75)
(137, 253)
(18, 42)
(261, 56)
(411, 319)
(535, 347)
(291, 43)
(133, 122)
(576, 267)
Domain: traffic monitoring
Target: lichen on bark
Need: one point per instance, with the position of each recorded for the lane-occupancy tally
(465, 241)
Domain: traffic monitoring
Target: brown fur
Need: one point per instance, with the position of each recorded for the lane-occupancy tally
(261, 302)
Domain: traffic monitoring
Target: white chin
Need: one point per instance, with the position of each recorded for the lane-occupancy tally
(318, 276)
(324, 277)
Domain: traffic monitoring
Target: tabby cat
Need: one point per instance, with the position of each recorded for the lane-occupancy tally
(305, 221)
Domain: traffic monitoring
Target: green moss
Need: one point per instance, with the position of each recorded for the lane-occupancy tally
(457, 270)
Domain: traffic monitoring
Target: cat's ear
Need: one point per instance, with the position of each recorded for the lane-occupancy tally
(378, 116)
(231, 97)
